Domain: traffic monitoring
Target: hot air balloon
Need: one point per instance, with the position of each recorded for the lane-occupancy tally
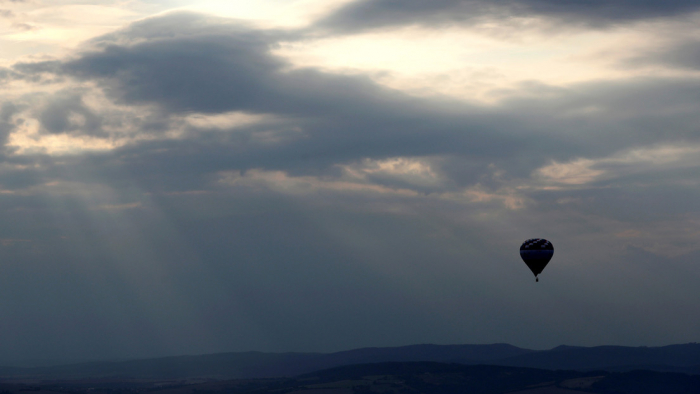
(536, 253)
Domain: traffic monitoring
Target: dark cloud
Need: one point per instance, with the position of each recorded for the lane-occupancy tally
(7, 110)
(6, 75)
(372, 14)
(185, 63)
(684, 54)
(66, 113)
(7, 124)
(214, 71)
(203, 74)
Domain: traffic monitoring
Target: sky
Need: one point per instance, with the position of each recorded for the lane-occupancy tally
(191, 177)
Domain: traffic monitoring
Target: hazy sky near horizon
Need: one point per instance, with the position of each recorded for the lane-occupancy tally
(187, 177)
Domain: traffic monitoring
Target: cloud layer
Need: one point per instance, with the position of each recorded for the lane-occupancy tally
(373, 14)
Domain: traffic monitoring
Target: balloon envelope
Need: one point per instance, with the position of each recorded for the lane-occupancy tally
(536, 253)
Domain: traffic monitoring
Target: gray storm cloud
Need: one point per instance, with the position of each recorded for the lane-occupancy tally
(186, 63)
(66, 113)
(373, 14)
(683, 54)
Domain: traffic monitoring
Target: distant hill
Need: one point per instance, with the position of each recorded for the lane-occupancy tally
(674, 358)
(438, 378)
(471, 354)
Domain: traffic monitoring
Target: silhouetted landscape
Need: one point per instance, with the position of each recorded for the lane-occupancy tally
(389, 378)
(496, 368)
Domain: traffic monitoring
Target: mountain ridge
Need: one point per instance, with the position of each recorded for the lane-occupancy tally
(683, 358)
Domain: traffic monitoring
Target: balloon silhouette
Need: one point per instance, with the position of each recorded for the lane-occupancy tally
(536, 253)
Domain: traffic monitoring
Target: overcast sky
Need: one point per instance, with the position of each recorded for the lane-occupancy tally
(189, 177)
